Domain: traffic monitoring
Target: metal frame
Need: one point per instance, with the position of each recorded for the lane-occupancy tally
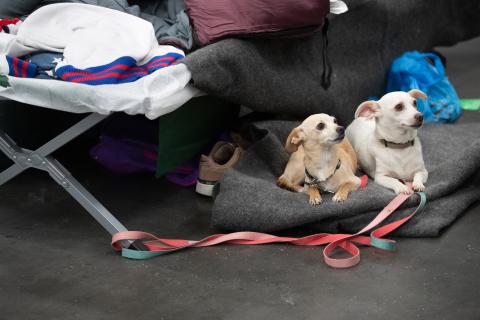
(41, 159)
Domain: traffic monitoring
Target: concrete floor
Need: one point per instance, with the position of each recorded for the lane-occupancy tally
(56, 263)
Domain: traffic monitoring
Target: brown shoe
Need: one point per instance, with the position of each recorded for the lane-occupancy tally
(223, 155)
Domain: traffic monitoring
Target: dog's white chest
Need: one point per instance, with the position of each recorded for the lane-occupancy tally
(399, 163)
(329, 186)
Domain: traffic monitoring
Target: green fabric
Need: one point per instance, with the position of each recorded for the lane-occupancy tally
(188, 130)
(470, 104)
(4, 81)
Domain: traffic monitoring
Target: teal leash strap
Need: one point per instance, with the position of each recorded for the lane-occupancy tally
(141, 255)
(390, 245)
(146, 254)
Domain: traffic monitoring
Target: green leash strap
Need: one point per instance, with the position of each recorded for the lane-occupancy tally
(470, 104)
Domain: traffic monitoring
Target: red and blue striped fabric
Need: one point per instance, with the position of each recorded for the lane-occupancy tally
(21, 68)
(122, 70)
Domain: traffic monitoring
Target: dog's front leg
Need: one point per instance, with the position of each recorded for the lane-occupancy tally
(314, 194)
(392, 183)
(344, 190)
(419, 179)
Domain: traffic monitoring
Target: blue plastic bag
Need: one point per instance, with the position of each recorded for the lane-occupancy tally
(425, 71)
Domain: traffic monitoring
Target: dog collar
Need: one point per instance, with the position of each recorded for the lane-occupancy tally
(314, 181)
(394, 145)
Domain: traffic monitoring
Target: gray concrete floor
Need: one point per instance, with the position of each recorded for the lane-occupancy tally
(55, 261)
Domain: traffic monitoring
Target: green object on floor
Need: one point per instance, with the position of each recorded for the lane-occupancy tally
(470, 104)
(4, 81)
(186, 131)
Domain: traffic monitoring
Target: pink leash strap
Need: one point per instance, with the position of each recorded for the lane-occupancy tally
(348, 242)
(355, 258)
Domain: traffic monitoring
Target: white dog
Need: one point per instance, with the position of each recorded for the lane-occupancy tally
(384, 135)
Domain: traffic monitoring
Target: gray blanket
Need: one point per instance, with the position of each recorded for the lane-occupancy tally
(250, 200)
(283, 76)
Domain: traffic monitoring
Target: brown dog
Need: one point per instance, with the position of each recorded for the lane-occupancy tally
(321, 159)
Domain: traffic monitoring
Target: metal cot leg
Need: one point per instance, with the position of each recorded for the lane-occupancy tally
(41, 160)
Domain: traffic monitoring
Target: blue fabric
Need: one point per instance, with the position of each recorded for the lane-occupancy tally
(425, 71)
(45, 62)
(21, 68)
(122, 70)
(38, 65)
(125, 69)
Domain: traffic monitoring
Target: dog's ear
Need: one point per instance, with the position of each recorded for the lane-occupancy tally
(415, 93)
(294, 140)
(367, 109)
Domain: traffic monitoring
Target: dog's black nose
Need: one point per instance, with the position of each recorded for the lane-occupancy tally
(419, 117)
(341, 130)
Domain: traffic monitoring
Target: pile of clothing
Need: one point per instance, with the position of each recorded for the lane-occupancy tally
(106, 42)
(168, 17)
(75, 51)
(137, 46)
(83, 44)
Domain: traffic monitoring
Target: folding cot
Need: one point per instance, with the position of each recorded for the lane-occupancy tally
(154, 98)
(42, 159)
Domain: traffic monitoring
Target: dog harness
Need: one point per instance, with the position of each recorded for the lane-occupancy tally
(314, 181)
(394, 145)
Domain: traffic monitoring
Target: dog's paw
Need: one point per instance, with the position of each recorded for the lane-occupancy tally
(418, 186)
(315, 201)
(339, 197)
(402, 189)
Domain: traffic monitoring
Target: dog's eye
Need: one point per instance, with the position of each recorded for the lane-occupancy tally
(321, 126)
(415, 103)
(334, 120)
(399, 107)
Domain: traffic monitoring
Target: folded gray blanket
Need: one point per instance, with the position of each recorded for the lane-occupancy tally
(284, 76)
(250, 200)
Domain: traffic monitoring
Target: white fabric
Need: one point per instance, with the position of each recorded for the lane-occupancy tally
(89, 35)
(157, 94)
(4, 68)
(338, 7)
(10, 46)
(13, 28)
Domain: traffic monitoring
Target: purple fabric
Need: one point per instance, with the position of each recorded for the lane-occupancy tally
(185, 175)
(216, 19)
(125, 155)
